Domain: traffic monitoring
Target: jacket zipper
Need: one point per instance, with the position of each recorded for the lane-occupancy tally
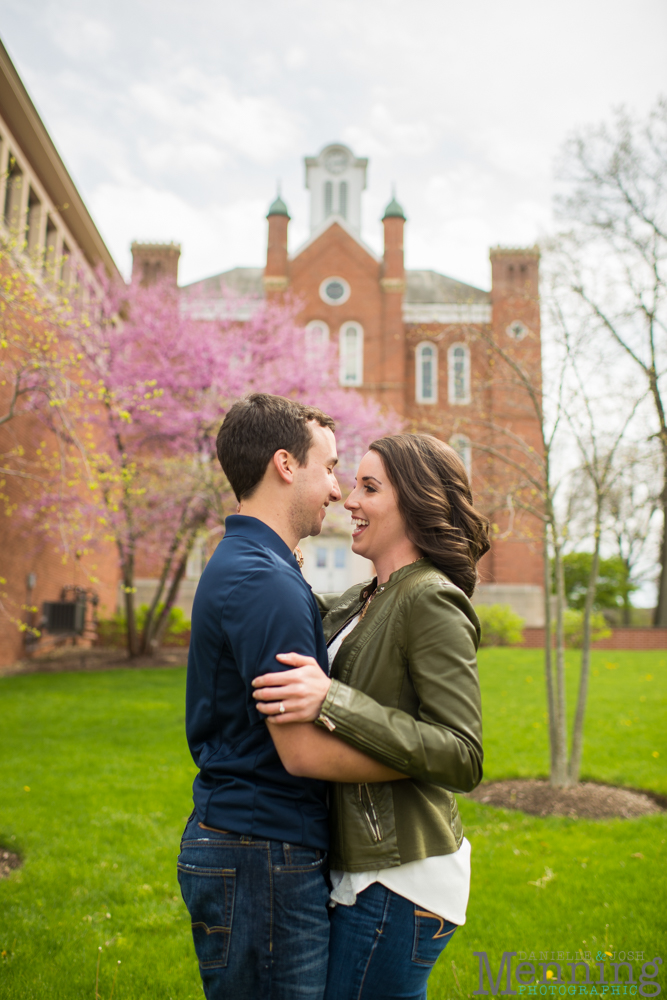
(370, 813)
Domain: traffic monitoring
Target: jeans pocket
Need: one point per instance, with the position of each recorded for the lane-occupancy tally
(209, 896)
(432, 934)
(301, 859)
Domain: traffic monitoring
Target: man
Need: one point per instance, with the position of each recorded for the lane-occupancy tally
(252, 862)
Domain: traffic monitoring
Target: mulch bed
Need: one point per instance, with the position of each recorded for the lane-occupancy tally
(586, 800)
(8, 863)
(69, 659)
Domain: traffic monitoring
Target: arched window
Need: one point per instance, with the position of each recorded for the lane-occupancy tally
(459, 374)
(342, 199)
(426, 373)
(316, 340)
(351, 354)
(328, 198)
(461, 445)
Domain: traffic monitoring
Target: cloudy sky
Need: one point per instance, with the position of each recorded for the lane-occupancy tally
(177, 119)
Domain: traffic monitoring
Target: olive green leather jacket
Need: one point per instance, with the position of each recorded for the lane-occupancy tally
(406, 692)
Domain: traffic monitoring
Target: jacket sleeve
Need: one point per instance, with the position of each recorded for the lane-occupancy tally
(443, 744)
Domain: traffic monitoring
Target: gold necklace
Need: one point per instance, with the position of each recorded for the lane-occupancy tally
(378, 590)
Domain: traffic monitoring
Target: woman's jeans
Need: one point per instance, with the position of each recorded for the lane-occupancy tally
(259, 915)
(383, 947)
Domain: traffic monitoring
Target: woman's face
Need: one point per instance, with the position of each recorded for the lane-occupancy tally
(376, 521)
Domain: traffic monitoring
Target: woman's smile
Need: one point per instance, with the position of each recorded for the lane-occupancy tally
(359, 525)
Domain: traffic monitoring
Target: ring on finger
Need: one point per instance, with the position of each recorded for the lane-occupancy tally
(282, 707)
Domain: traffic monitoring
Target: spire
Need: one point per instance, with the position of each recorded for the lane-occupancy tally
(393, 209)
(278, 207)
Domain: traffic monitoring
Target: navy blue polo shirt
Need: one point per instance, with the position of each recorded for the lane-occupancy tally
(251, 603)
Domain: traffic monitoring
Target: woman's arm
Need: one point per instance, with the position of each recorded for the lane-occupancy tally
(443, 745)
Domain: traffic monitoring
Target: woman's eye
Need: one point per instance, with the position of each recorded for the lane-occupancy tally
(371, 489)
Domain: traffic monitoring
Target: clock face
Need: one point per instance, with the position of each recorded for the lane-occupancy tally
(336, 161)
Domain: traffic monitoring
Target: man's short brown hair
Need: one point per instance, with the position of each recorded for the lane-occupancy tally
(258, 426)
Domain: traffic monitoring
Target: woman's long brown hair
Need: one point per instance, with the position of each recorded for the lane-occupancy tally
(435, 500)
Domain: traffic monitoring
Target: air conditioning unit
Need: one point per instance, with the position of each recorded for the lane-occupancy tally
(64, 617)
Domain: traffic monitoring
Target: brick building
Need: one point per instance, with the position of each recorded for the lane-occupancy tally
(44, 220)
(418, 342)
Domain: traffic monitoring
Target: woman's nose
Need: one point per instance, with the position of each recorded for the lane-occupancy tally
(351, 503)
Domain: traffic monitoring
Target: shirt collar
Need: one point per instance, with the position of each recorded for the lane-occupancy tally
(251, 527)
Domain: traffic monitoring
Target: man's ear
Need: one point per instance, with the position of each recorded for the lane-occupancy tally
(284, 463)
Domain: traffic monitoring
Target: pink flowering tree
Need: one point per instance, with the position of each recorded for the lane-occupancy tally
(155, 384)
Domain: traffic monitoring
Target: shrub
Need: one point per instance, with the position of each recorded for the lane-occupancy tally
(112, 631)
(500, 625)
(573, 622)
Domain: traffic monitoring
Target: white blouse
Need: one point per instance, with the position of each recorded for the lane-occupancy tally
(439, 884)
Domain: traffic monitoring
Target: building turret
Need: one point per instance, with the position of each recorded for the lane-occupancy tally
(392, 283)
(276, 278)
(154, 262)
(336, 179)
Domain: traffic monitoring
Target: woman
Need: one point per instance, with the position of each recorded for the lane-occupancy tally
(404, 690)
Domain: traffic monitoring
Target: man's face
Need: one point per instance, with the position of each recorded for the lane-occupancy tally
(315, 484)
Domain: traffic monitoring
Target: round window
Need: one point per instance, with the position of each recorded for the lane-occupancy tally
(334, 291)
(517, 330)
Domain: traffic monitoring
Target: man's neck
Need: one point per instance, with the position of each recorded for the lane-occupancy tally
(271, 515)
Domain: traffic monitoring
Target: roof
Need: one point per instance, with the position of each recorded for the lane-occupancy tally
(243, 281)
(393, 210)
(37, 146)
(431, 288)
(278, 207)
(422, 287)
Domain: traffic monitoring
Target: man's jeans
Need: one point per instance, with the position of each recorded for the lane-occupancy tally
(383, 947)
(259, 915)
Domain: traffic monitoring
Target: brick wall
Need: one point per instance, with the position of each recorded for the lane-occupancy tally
(620, 638)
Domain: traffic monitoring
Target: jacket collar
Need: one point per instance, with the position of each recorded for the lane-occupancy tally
(241, 525)
(396, 577)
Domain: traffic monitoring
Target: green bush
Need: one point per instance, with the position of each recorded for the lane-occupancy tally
(500, 625)
(113, 631)
(573, 622)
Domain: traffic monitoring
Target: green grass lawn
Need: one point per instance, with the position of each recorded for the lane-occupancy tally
(96, 788)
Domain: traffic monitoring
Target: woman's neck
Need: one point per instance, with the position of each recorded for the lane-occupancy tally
(399, 556)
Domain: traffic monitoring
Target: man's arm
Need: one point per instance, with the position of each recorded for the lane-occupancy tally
(309, 752)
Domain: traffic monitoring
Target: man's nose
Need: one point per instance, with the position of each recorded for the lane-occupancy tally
(335, 494)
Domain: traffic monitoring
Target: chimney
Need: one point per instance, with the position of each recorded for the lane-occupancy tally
(155, 262)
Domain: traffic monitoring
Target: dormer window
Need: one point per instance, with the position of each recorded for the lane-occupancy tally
(426, 373)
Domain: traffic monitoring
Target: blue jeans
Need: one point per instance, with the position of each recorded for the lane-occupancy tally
(259, 915)
(383, 947)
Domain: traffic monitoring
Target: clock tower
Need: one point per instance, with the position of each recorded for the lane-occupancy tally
(335, 180)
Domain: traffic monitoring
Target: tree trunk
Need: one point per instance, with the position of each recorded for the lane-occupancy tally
(130, 615)
(153, 639)
(660, 615)
(574, 765)
(627, 606)
(548, 655)
(559, 771)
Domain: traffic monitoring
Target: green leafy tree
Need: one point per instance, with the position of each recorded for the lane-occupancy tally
(614, 585)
